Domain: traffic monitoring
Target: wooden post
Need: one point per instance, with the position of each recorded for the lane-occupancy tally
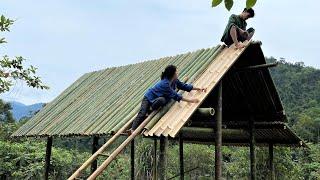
(163, 157)
(252, 150)
(95, 144)
(154, 166)
(132, 159)
(218, 138)
(48, 157)
(271, 167)
(181, 157)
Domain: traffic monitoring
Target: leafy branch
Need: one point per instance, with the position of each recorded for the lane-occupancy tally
(13, 68)
(229, 3)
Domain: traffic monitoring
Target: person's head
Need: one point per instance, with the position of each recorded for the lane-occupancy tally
(247, 13)
(170, 72)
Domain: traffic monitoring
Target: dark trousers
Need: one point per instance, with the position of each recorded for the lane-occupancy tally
(145, 107)
(241, 37)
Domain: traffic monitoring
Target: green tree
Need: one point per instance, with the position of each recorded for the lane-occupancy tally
(5, 113)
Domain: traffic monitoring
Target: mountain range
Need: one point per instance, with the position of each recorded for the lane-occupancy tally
(20, 110)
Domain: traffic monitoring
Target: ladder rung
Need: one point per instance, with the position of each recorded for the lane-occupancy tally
(105, 155)
(124, 134)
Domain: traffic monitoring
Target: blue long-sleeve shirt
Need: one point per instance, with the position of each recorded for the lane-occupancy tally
(165, 88)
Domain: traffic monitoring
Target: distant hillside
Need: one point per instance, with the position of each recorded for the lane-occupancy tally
(20, 110)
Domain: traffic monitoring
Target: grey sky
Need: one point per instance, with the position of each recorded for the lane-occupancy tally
(66, 39)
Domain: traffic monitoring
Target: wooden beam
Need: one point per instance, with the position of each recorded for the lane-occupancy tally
(252, 150)
(163, 158)
(218, 138)
(95, 144)
(154, 165)
(271, 166)
(257, 67)
(132, 160)
(181, 158)
(48, 157)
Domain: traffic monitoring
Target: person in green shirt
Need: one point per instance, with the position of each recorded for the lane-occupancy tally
(235, 31)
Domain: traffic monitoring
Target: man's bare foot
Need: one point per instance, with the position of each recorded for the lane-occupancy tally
(129, 131)
(239, 45)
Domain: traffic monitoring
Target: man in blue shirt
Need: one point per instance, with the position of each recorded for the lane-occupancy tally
(161, 93)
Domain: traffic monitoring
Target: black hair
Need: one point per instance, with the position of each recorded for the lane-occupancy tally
(250, 11)
(169, 72)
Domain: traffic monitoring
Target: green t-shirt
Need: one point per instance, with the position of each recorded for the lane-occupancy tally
(234, 20)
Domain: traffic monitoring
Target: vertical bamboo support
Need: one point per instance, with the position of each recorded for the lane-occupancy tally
(48, 157)
(154, 166)
(163, 157)
(218, 138)
(271, 166)
(95, 144)
(252, 150)
(132, 159)
(181, 158)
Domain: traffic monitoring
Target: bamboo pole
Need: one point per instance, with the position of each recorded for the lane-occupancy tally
(121, 147)
(95, 144)
(181, 158)
(154, 165)
(252, 150)
(48, 157)
(132, 159)
(218, 138)
(202, 113)
(271, 167)
(163, 158)
(101, 150)
(257, 67)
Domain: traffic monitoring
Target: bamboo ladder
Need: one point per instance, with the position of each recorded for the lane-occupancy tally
(114, 154)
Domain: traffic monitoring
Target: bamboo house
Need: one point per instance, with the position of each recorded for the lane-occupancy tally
(240, 108)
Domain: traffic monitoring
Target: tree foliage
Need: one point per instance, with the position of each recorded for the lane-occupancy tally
(229, 3)
(12, 69)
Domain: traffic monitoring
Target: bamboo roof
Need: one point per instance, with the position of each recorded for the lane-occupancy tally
(101, 102)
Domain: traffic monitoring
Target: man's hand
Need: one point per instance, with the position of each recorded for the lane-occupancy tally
(194, 100)
(190, 100)
(201, 89)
